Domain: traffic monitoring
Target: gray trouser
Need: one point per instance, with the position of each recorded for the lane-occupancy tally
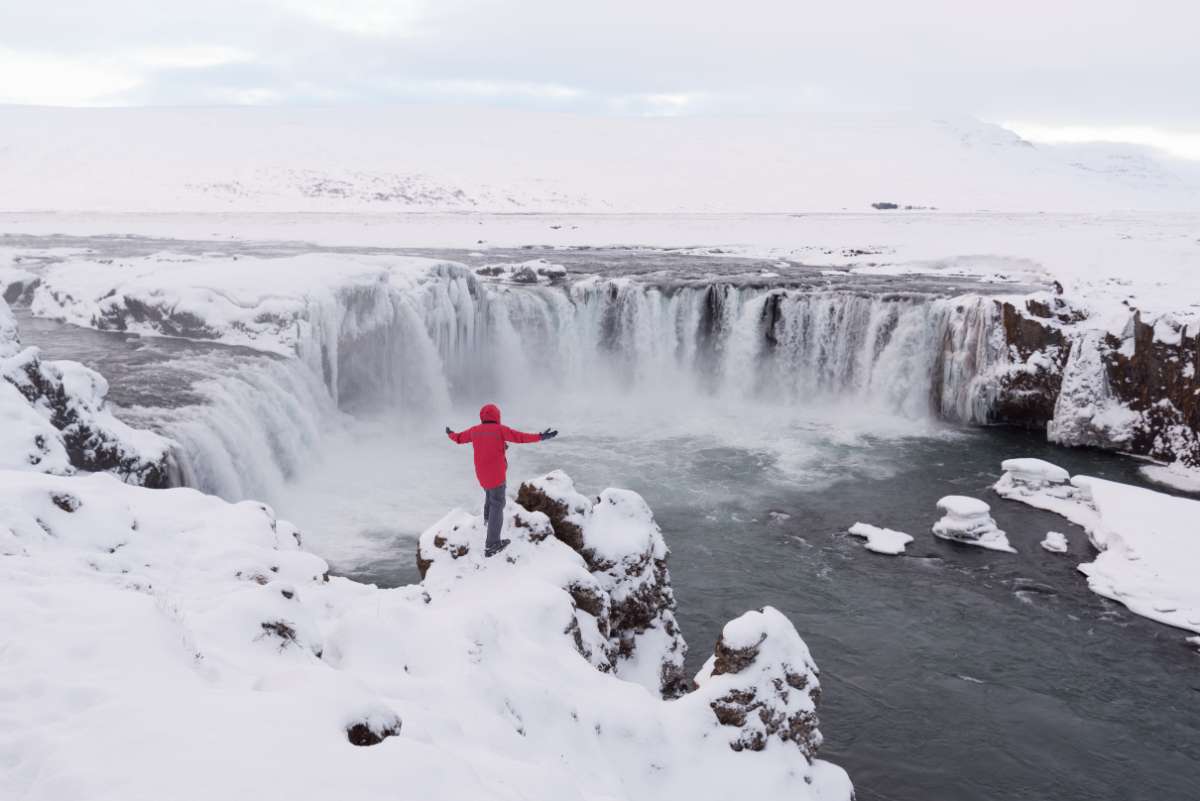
(493, 513)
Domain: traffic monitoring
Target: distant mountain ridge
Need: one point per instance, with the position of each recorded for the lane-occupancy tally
(412, 158)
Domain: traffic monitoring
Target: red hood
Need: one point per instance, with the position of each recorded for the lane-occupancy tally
(490, 413)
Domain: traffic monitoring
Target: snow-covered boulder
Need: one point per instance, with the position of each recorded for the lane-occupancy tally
(969, 521)
(1034, 473)
(881, 540)
(155, 638)
(761, 682)
(1055, 542)
(55, 419)
(608, 554)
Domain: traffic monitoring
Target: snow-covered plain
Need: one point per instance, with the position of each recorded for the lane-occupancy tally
(413, 158)
(167, 644)
(1149, 542)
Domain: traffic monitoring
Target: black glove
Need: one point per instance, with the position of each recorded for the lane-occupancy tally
(448, 431)
(549, 433)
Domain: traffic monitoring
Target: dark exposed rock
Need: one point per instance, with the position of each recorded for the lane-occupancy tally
(364, 734)
(535, 500)
(1161, 381)
(281, 629)
(1027, 398)
(66, 501)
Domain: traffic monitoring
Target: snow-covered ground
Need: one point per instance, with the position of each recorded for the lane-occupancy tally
(167, 644)
(1149, 542)
(412, 158)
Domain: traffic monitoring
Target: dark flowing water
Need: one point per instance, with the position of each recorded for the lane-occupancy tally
(949, 674)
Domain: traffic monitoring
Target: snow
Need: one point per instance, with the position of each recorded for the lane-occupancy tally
(1034, 472)
(152, 635)
(533, 271)
(415, 158)
(968, 521)
(56, 418)
(1177, 476)
(1148, 543)
(881, 540)
(1055, 542)
(270, 304)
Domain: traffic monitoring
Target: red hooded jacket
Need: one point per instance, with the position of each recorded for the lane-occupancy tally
(488, 439)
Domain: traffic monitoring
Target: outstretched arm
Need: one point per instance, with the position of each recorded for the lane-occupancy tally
(461, 437)
(523, 437)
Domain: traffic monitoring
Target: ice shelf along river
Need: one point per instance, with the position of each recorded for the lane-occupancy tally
(949, 673)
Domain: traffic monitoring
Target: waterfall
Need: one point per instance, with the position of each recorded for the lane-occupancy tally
(411, 350)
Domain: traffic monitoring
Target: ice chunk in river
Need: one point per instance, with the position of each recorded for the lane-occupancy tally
(968, 520)
(881, 540)
(1055, 542)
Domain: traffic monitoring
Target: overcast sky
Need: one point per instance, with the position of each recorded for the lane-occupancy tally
(1053, 69)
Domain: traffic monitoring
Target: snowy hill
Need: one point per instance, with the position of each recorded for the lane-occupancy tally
(411, 158)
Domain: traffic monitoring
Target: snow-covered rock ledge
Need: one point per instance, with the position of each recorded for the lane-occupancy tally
(54, 419)
(167, 644)
(1148, 542)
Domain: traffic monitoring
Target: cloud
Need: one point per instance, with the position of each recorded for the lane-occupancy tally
(188, 57)
(1099, 64)
(49, 79)
(368, 18)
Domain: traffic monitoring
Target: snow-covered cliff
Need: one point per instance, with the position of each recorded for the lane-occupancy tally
(55, 419)
(165, 643)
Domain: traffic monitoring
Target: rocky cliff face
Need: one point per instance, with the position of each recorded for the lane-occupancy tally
(762, 684)
(760, 688)
(57, 420)
(613, 565)
(1138, 391)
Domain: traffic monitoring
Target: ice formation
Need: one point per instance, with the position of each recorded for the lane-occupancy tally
(881, 540)
(968, 521)
(158, 635)
(1149, 542)
(1055, 542)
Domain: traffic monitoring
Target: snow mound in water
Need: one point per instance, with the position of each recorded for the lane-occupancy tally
(159, 637)
(54, 418)
(968, 521)
(1055, 542)
(881, 540)
(1149, 543)
(1034, 472)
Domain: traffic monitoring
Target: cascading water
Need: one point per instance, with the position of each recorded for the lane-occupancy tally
(913, 355)
(409, 351)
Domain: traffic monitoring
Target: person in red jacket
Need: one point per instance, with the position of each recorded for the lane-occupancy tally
(490, 440)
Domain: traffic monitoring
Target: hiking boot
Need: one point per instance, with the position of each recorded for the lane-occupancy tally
(492, 550)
